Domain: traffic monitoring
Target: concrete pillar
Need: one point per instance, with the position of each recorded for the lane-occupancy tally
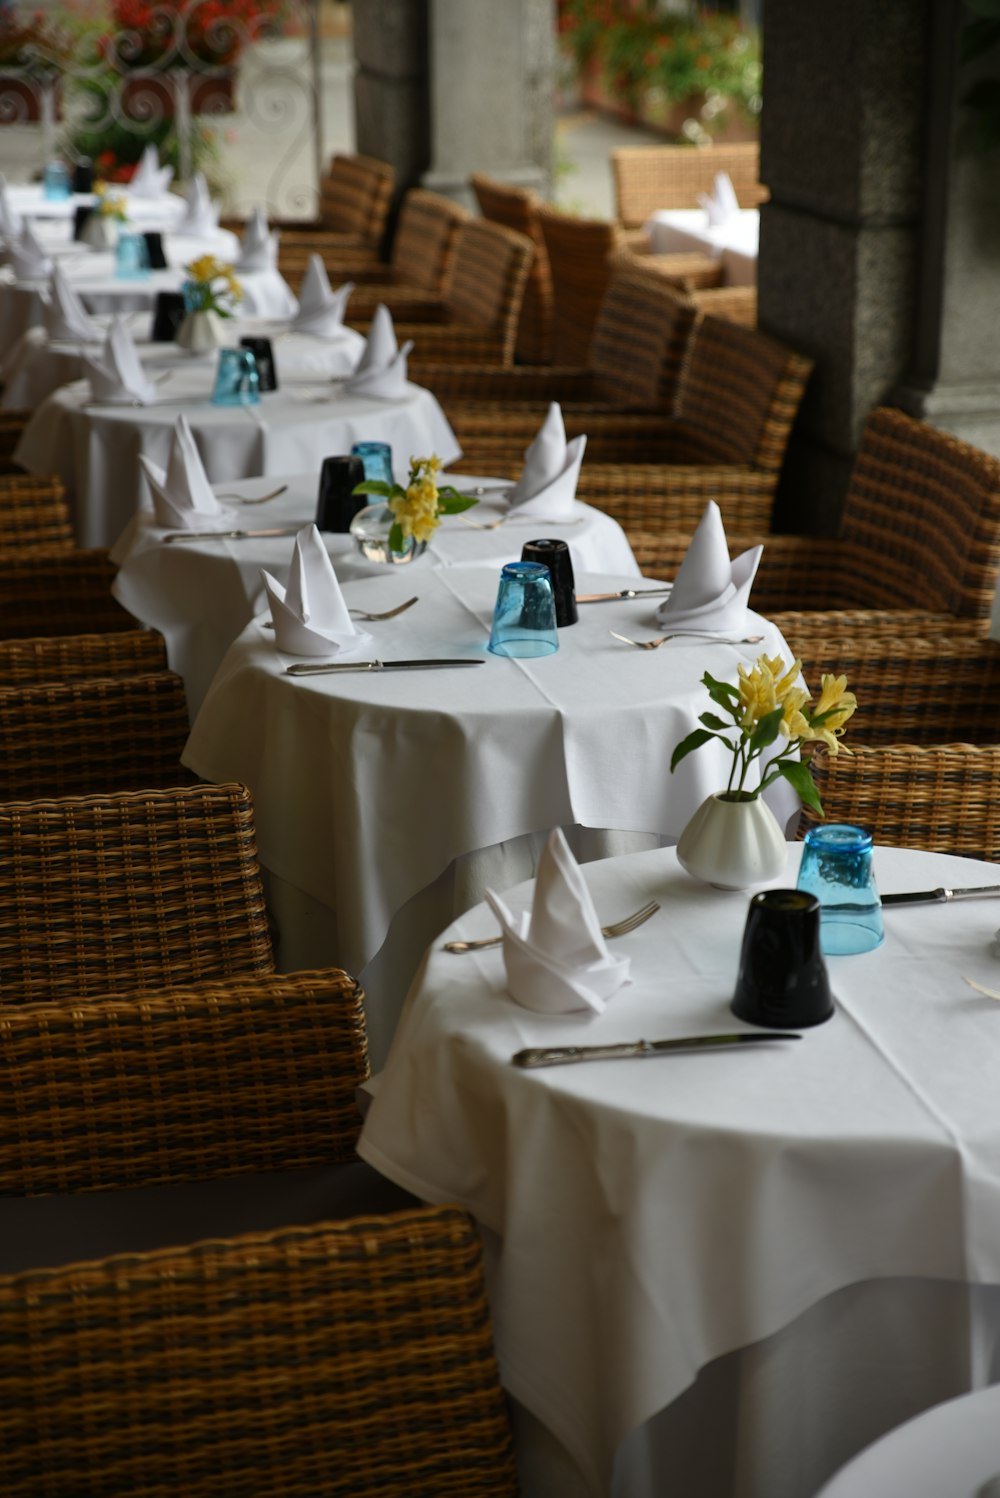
(392, 86)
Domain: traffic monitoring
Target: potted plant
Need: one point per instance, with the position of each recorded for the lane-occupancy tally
(158, 47)
(34, 51)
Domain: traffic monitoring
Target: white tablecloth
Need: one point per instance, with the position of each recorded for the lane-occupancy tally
(644, 1219)
(395, 797)
(94, 448)
(36, 366)
(164, 211)
(202, 594)
(676, 230)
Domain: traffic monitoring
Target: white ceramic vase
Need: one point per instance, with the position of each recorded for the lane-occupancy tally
(732, 844)
(100, 232)
(201, 332)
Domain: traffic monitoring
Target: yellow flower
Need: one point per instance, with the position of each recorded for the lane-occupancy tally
(757, 698)
(204, 269)
(835, 706)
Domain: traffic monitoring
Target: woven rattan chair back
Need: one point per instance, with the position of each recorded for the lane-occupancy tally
(517, 208)
(241, 1074)
(355, 195)
(579, 252)
(426, 238)
(58, 593)
(126, 652)
(93, 735)
(647, 178)
(739, 396)
(922, 519)
(353, 1358)
(33, 512)
(144, 890)
(640, 339)
(942, 797)
(486, 285)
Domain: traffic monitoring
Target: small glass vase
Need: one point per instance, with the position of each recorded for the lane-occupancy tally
(733, 844)
(370, 529)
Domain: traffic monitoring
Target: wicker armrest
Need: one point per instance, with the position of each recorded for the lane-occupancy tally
(406, 303)
(496, 390)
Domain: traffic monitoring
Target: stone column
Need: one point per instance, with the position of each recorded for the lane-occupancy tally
(492, 86)
(391, 85)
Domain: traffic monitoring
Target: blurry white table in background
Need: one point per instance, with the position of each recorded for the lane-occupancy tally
(679, 230)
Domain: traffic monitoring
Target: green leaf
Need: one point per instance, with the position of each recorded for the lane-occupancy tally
(454, 503)
(711, 721)
(731, 693)
(396, 538)
(688, 745)
(379, 486)
(799, 778)
(766, 730)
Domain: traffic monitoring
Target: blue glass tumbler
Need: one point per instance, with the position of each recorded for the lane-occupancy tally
(56, 184)
(524, 620)
(376, 458)
(836, 867)
(236, 380)
(131, 258)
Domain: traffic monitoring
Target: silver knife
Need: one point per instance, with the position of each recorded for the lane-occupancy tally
(276, 530)
(304, 668)
(563, 1055)
(624, 593)
(942, 896)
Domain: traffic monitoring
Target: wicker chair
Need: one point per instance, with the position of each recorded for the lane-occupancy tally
(58, 593)
(352, 1358)
(93, 736)
(579, 252)
(517, 208)
(126, 652)
(222, 1078)
(144, 890)
(423, 252)
(33, 512)
(647, 178)
(942, 797)
(482, 303)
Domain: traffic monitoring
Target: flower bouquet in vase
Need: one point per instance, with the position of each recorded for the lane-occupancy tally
(734, 840)
(399, 530)
(108, 216)
(211, 293)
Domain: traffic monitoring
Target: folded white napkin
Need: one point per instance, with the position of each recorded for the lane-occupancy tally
(65, 316)
(381, 370)
(259, 246)
(321, 310)
(721, 204)
(547, 486)
(556, 956)
(117, 374)
(201, 215)
(182, 495)
(27, 255)
(150, 179)
(11, 222)
(710, 592)
(310, 616)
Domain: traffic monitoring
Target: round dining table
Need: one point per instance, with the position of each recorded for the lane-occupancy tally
(200, 592)
(734, 243)
(718, 1272)
(386, 802)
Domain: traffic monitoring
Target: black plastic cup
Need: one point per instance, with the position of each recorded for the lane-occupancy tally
(168, 315)
(83, 175)
(338, 504)
(154, 249)
(264, 354)
(81, 214)
(782, 981)
(555, 555)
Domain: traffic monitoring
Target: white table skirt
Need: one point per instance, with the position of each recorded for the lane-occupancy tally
(202, 594)
(644, 1220)
(677, 230)
(165, 210)
(95, 448)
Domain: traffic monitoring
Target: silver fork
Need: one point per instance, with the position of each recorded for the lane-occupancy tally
(389, 613)
(693, 634)
(617, 928)
(261, 500)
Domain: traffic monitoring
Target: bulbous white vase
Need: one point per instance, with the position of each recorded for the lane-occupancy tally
(200, 332)
(732, 844)
(100, 232)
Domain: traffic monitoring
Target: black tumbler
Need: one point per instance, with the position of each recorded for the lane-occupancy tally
(338, 504)
(264, 354)
(782, 981)
(83, 175)
(154, 249)
(168, 315)
(555, 556)
(80, 216)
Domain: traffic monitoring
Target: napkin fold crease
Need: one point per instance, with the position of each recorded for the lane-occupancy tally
(116, 374)
(321, 309)
(711, 592)
(547, 486)
(183, 498)
(259, 245)
(381, 370)
(310, 616)
(150, 179)
(721, 204)
(65, 316)
(27, 255)
(201, 215)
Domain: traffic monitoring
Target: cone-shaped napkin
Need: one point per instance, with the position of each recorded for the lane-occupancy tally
(721, 204)
(116, 374)
(27, 255)
(381, 370)
(182, 495)
(547, 486)
(321, 310)
(258, 247)
(201, 215)
(150, 179)
(711, 592)
(556, 956)
(65, 316)
(11, 222)
(310, 615)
